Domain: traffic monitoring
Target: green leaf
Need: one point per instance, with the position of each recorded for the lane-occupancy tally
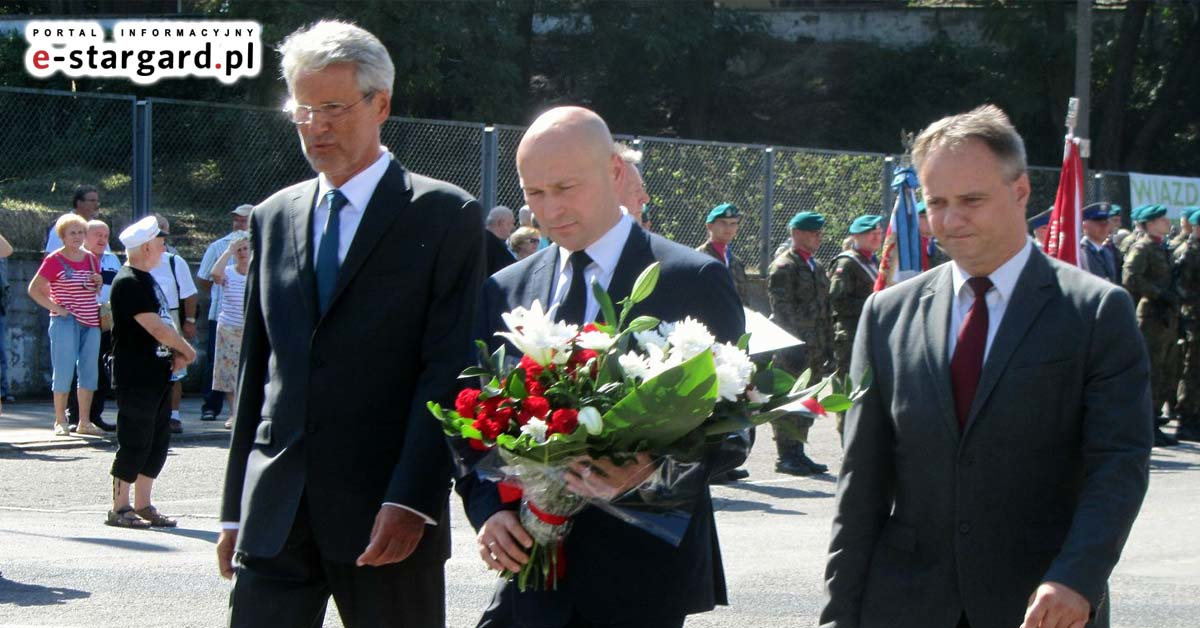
(836, 403)
(606, 305)
(645, 284)
(643, 323)
(497, 361)
(516, 384)
(743, 343)
(666, 407)
(472, 372)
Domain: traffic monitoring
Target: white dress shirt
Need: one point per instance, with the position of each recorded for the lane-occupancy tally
(358, 191)
(1004, 282)
(605, 253)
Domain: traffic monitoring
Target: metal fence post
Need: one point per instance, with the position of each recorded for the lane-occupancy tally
(1098, 186)
(141, 157)
(889, 168)
(764, 260)
(490, 165)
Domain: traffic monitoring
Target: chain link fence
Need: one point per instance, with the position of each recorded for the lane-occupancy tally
(53, 142)
(204, 159)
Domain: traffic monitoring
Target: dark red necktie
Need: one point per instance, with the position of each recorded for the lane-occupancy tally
(967, 363)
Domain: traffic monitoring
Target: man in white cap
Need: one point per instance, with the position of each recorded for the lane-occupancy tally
(146, 349)
(213, 401)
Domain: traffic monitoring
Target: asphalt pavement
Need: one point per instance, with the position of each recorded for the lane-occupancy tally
(60, 566)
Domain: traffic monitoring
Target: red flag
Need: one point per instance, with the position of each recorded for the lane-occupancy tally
(1062, 240)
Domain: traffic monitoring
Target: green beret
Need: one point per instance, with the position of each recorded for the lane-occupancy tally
(863, 224)
(1187, 212)
(807, 221)
(724, 210)
(1194, 217)
(920, 207)
(1146, 213)
(1114, 209)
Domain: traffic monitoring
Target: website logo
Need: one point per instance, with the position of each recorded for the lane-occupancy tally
(144, 51)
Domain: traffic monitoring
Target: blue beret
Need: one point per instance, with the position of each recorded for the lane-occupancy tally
(1096, 211)
(865, 223)
(1146, 213)
(807, 221)
(724, 210)
(1040, 220)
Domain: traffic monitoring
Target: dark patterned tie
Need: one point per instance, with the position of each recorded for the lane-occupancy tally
(327, 254)
(575, 305)
(967, 363)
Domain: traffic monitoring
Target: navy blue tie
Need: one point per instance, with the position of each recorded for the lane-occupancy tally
(327, 254)
(575, 305)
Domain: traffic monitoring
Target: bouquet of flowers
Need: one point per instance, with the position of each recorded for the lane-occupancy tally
(659, 394)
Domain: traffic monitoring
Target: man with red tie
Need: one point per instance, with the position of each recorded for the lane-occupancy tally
(994, 468)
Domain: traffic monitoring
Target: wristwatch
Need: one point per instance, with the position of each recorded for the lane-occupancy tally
(190, 320)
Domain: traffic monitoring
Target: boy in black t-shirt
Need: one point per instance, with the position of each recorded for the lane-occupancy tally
(146, 349)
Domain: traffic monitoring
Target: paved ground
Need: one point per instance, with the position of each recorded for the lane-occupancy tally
(61, 567)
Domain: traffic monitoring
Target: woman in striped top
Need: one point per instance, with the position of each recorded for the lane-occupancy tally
(232, 278)
(66, 285)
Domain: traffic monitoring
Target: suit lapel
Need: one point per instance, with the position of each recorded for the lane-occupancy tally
(1033, 290)
(388, 202)
(300, 214)
(541, 278)
(635, 257)
(935, 311)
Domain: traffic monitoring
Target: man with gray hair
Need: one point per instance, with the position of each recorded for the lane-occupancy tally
(358, 311)
(994, 469)
(632, 194)
(499, 226)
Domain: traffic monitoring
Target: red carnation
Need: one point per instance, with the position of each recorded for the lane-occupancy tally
(532, 369)
(533, 407)
(488, 427)
(590, 327)
(535, 388)
(563, 421)
(477, 444)
(466, 402)
(581, 357)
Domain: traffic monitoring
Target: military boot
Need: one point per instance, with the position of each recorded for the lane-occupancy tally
(816, 467)
(1189, 429)
(789, 462)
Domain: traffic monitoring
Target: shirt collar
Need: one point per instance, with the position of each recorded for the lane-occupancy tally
(1004, 278)
(606, 251)
(360, 187)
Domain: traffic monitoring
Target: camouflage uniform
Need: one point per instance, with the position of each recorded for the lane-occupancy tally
(737, 269)
(1127, 243)
(1187, 271)
(853, 281)
(1148, 275)
(799, 296)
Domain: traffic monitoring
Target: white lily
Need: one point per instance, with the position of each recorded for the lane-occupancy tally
(591, 420)
(535, 333)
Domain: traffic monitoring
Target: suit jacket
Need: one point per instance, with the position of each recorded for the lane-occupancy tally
(498, 255)
(617, 572)
(332, 408)
(1044, 482)
(737, 269)
(1098, 266)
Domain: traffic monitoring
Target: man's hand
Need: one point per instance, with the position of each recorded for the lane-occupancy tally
(190, 354)
(393, 538)
(604, 479)
(178, 361)
(502, 542)
(189, 329)
(225, 544)
(1056, 605)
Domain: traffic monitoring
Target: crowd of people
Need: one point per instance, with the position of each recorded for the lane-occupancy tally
(325, 345)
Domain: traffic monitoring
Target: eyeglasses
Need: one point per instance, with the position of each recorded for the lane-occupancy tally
(303, 114)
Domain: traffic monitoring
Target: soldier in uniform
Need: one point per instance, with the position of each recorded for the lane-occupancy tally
(722, 225)
(1187, 272)
(1039, 225)
(1102, 260)
(853, 280)
(1148, 275)
(799, 292)
(1185, 230)
(932, 253)
(1127, 243)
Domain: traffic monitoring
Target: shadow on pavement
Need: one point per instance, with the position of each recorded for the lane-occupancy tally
(721, 504)
(779, 491)
(17, 454)
(19, 594)
(208, 536)
(137, 546)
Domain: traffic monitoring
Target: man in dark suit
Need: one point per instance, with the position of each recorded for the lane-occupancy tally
(1102, 260)
(358, 312)
(996, 465)
(499, 225)
(618, 574)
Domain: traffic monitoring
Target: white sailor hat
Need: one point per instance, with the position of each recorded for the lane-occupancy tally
(141, 232)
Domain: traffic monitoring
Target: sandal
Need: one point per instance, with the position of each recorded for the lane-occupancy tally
(125, 518)
(60, 429)
(156, 519)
